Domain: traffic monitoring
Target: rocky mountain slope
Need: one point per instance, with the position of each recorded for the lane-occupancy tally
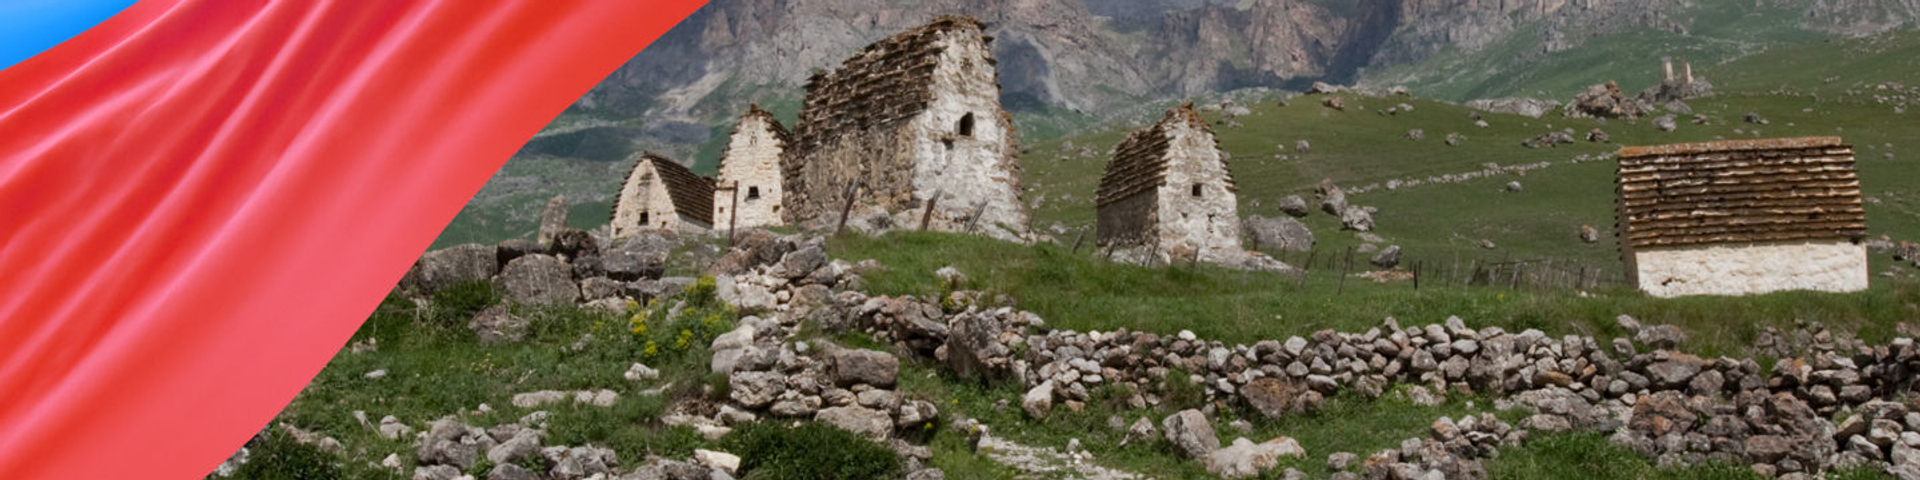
(1091, 55)
(1067, 65)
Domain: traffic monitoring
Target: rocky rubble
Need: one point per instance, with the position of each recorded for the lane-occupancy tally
(1663, 403)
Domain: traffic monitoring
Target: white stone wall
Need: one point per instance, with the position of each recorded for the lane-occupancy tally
(1208, 223)
(645, 193)
(1831, 266)
(968, 169)
(752, 162)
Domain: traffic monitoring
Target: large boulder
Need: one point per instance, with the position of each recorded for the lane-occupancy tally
(1388, 258)
(1038, 401)
(873, 424)
(753, 248)
(574, 243)
(440, 268)
(801, 262)
(1356, 219)
(1333, 200)
(748, 298)
(756, 389)
(450, 442)
(851, 367)
(1245, 459)
(1294, 206)
(1285, 233)
(728, 348)
(1273, 397)
(537, 280)
(641, 256)
(974, 348)
(1604, 101)
(1190, 433)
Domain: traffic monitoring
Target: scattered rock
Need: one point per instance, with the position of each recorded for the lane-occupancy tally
(1190, 433)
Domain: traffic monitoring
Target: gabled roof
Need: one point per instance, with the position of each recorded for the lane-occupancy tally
(1739, 191)
(780, 133)
(692, 194)
(1140, 164)
(888, 81)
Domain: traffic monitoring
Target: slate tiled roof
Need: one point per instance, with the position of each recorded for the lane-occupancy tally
(692, 194)
(1140, 162)
(1738, 191)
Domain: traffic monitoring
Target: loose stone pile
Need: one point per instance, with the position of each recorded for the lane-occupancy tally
(1666, 404)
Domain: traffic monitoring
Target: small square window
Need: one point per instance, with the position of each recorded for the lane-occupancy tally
(753, 193)
(1196, 189)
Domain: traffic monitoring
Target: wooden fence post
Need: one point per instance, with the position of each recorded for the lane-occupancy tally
(1345, 271)
(847, 210)
(927, 217)
(733, 215)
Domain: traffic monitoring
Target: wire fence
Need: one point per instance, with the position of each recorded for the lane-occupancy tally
(1533, 274)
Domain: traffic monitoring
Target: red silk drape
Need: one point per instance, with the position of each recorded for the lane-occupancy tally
(200, 200)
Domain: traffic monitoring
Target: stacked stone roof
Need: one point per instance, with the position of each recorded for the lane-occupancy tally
(692, 194)
(1739, 191)
(888, 82)
(1140, 162)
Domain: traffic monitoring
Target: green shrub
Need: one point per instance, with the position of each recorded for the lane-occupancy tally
(659, 333)
(277, 457)
(812, 451)
(457, 303)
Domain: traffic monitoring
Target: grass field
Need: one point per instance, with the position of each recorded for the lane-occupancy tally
(435, 368)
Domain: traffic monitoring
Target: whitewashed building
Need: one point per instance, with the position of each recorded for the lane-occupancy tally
(749, 188)
(1742, 217)
(1167, 189)
(662, 194)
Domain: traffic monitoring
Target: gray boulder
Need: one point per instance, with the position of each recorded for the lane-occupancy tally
(642, 256)
(1388, 257)
(756, 389)
(1245, 459)
(538, 280)
(873, 424)
(1294, 206)
(440, 268)
(1285, 233)
(801, 262)
(1038, 401)
(1357, 219)
(1273, 397)
(1665, 123)
(1190, 433)
(874, 368)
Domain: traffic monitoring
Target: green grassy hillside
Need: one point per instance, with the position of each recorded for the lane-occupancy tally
(1441, 222)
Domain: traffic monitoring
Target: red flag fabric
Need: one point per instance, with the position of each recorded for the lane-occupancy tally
(200, 200)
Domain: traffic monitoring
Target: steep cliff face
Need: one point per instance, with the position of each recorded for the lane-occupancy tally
(1090, 55)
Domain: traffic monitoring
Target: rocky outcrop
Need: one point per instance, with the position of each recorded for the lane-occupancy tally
(1530, 107)
(1284, 233)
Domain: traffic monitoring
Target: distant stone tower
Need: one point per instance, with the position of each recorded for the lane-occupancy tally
(749, 189)
(1167, 188)
(660, 193)
(906, 118)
